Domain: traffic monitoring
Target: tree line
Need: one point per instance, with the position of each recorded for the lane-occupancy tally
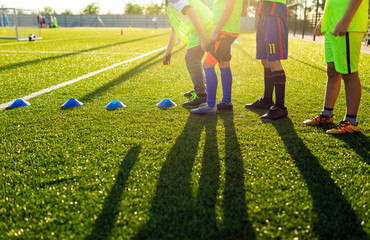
(130, 8)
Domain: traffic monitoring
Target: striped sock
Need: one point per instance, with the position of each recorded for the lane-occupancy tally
(227, 81)
(352, 119)
(279, 82)
(327, 112)
(211, 82)
(269, 85)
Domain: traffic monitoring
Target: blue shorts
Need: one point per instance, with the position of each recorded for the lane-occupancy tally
(272, 38)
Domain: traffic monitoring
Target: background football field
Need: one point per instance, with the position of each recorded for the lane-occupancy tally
(142, 172)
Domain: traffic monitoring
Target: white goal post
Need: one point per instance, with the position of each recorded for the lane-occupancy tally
(19, 24)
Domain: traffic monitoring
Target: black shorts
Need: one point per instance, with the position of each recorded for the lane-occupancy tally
(220, 51)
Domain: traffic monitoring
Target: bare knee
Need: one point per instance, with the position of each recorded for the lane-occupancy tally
(223, 65)
(350, 77)
(207, 65)
(275, 65)
(265, 63)
(331, 72)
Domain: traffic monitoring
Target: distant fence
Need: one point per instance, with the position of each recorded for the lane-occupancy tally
(296, 26)
(124, 21)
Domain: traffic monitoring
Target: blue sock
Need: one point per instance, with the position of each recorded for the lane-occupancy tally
(227, 82)
(211, 82)
(328, 112)
(352, 119)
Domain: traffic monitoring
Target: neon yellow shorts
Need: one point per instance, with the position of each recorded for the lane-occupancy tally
(344, 51)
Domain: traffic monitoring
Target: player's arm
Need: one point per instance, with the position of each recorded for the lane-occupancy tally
(189, 11)
(171, 43)
(318, 28)
(342, 26)
(229, 7)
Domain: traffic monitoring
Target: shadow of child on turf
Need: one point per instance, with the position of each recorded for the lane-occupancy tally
(107, 218)
(335, 217)
(179, 213)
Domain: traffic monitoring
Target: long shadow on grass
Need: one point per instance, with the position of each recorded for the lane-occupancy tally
(335, 217)
(175, 213)
(106, 221)
(313, 66)
(23, 64)
(126, 76)
(245, 53)
(359, 143)
(235, 221)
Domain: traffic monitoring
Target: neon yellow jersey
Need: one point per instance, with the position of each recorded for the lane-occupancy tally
(185, 28)
(233, 24)
(334, 12)
(280, 1)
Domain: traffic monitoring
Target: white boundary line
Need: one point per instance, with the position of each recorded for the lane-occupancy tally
(46, 90)
(59, 39)
(55, 52)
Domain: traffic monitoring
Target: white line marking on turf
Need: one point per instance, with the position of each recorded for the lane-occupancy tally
(60, 39)
(9, 51)
(49, 89)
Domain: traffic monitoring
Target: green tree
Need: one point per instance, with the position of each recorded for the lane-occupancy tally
(48, 10)
(131, 8)
(155, 9)
(67, 12)
(92, 8)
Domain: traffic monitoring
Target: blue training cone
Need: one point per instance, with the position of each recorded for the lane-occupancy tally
(19, 103)
(115, 104)
(72, 103)
(166, 103)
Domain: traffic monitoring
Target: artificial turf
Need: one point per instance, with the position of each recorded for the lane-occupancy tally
(142, 172)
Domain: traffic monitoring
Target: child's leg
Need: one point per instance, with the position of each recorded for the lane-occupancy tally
(332, 86)
(211, 82)
(279, 78)
(193, 59)
(227, 81)
(353, 95)
(269, 82)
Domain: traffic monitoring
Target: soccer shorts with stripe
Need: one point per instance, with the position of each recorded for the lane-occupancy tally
(272, 38)
(344, 51)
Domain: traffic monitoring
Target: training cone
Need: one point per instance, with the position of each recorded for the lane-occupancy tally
(115, 104)
(19, 103)
(72, 103)
(166, 103)
(121, 31)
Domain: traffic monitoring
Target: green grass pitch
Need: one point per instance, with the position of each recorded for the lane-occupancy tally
(142, 172)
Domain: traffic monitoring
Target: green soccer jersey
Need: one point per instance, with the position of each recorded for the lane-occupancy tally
(185, 28)
(334, 12)
(233, 24)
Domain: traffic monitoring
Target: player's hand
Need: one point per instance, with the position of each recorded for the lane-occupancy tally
(213, 37)
(340, 29)
(204, 44)
(318, 29)
(166, 59)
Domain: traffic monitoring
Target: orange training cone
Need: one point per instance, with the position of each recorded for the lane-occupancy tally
(121, 31)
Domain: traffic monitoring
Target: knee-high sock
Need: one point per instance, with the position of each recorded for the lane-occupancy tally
(269, 85)
(227, 82)
(279, 81)
(211, 82)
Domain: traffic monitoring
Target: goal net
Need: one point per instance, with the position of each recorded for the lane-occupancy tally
(19, 24)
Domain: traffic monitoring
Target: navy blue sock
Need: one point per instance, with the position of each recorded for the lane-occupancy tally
(352, 119)
(269, 85)
(211, 82)
(328, 112)
(279, 82)
(227, 82)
